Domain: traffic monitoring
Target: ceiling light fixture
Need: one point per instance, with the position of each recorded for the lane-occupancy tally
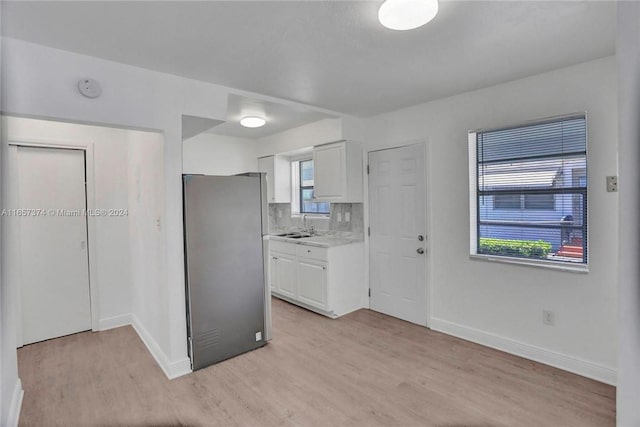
(252, 121)
(407, 14)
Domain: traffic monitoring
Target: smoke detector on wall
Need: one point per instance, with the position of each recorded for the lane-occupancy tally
(89, 88)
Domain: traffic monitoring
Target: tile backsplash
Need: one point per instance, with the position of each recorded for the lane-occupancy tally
(340, 212)
(280, 218)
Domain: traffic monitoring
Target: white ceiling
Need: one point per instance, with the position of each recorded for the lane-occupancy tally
(279, 117)
(331, 54)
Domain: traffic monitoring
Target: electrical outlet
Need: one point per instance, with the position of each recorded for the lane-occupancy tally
(259, 336)
(548, 317)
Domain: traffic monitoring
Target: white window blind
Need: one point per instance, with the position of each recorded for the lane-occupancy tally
(530, 190)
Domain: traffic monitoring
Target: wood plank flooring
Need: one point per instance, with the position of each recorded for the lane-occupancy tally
(365, 369)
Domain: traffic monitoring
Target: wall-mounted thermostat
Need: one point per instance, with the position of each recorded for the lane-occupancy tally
(89, 88)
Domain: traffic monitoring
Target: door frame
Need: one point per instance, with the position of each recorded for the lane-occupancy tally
(12, 234)
(427, 221)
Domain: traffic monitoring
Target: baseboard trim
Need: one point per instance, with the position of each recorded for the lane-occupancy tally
(180, 368)
(16, 405)
(576, 365)
(114, 322)
(293, 301)
(171, 369)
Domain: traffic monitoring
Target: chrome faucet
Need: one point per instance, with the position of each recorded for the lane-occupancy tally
(309, 229)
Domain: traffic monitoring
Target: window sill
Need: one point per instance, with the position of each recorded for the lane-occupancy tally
(310, 215)
(552, 265)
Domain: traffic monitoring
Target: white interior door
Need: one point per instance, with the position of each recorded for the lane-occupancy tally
(54, 264)
(397, 220)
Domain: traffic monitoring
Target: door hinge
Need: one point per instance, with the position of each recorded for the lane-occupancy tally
(368, 171)
(368, 231)
(369, 292)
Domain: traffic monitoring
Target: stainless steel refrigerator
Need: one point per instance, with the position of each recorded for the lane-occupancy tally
(228, 306)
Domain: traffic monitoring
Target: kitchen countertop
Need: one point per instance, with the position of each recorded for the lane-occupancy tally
(325, 241)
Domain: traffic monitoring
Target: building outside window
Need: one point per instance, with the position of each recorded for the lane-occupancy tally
(305, 184)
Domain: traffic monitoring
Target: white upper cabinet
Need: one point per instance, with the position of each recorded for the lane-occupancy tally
(338, 172)
(329, 175)
(278, 170)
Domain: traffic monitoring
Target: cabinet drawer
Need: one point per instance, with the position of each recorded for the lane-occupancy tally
(284, 247)
(312, 252)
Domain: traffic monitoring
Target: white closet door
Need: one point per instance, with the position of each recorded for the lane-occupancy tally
(54, 264)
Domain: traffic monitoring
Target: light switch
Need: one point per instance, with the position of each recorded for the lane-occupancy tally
(347, 216)
(339, 216)
(612, 184)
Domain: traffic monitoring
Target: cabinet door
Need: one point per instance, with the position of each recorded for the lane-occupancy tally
(282, 181)
(267, 165)
(312, 282)
(286, 275)
(329, 163)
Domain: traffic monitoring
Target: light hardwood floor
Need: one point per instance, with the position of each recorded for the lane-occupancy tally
(364, 369)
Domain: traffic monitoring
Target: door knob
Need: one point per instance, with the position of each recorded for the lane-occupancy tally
(420, 251)
(420, 237)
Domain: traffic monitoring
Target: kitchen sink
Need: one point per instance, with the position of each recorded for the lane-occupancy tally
(294, 235)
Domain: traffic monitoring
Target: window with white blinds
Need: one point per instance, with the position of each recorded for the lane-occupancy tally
(529, 191)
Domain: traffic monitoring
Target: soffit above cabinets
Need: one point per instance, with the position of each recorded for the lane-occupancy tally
(279, 117)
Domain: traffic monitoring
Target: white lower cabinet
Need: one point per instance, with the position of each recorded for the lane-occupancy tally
(312, 282)
(285, 278)
(329, 281)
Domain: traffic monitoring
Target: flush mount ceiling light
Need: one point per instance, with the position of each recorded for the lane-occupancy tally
(407, 14)
(252, 121)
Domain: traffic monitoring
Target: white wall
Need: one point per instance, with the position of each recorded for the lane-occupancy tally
(498, 304)
(10, 386)
(218, 155)
(146, 205)
(628, 57)
(110, 183)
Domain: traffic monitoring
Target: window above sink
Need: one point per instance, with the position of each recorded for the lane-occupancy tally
(303, 188)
